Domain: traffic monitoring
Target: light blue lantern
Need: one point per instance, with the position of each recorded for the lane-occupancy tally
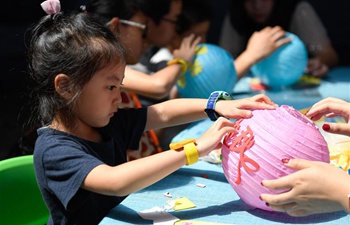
(212, 70)
(285, 66)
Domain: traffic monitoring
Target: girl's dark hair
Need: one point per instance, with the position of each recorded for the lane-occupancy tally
(75, 44)
(157, 9)
(193, 12)
(281, 16)
(123, 9)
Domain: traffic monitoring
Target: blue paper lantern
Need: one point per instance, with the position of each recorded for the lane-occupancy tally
(285, 66)
(212, 70)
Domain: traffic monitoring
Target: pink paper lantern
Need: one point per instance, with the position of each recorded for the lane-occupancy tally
(255, 152)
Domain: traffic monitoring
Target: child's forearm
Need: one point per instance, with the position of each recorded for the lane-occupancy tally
(176, 111)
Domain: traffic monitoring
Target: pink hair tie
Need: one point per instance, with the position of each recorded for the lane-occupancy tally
(51, 6)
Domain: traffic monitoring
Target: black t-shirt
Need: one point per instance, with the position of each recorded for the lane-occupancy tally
(62, 162)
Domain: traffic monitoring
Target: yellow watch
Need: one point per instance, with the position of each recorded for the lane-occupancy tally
(178, 61)
(190, 149)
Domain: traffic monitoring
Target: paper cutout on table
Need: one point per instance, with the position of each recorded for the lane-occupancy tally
(256, 85)
(340, 154)
(213, 156)
(167, 194)
(307, 79)
(197, 222)
(201, 185)
(181, 204)
(158, 215)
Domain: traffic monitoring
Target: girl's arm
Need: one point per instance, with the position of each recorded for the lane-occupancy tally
(132, 176)
(185, 110)
(156, 86)
(159, 84)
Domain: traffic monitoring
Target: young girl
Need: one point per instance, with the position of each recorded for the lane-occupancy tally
(80, 154)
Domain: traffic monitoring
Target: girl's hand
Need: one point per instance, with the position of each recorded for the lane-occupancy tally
(187, 49)
(316, 187)
(211, 139)
(331, 107)
(242, 108)
(264, 42)
(316, 68)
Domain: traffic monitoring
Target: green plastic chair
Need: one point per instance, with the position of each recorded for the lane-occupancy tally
(20, 198)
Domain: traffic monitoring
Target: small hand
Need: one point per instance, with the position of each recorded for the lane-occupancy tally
(316, 68)
(264, 42)
(211, 139)
(187, 49)
(242, 108)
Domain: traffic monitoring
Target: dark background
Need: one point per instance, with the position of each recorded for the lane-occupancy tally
(16, 138)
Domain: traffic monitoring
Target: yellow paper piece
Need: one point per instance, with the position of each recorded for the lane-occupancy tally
(307, 79)
(340, 154)
(182, 203)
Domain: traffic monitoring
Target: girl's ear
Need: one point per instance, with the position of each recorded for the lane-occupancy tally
(62, 86)
(113, 24)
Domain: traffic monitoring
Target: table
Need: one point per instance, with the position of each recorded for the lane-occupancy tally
(303, 95)
(217, 202)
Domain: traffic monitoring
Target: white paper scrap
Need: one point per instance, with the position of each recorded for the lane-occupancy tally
(158, 215)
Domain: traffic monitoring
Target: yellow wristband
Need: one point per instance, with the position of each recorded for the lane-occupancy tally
(179, 145)
(191, 153)
(178, 61)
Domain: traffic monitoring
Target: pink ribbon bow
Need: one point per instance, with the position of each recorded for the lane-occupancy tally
(51, 6)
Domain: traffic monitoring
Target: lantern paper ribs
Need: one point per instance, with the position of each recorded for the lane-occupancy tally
(255, 152)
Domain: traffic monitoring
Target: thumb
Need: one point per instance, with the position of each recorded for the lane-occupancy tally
(337, 128)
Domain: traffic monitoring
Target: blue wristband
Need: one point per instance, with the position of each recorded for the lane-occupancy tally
(213, 98)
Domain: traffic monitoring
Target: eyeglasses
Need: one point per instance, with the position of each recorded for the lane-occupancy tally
(135, 24)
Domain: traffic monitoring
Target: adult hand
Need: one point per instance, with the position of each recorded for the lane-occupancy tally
(242, 108)
(316, 68)
(264, 42)
(316, 187)
(331, 107)
(187, 48)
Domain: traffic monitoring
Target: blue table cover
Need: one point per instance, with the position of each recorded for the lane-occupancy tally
(217, 202)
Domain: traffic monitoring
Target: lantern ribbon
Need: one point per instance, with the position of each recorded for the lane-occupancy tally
(240, 144)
